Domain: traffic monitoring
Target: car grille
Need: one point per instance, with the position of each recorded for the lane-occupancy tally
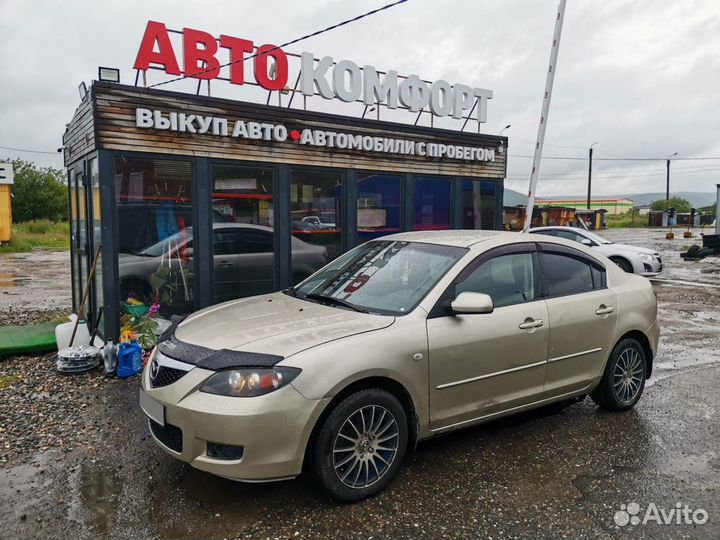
(168, 435)
(166, 376)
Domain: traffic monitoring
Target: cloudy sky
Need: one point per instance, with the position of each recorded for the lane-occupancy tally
(640, 77)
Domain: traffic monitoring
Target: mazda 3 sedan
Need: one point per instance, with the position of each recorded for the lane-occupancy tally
(401, 339)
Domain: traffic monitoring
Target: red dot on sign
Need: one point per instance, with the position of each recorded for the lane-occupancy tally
(295, 135)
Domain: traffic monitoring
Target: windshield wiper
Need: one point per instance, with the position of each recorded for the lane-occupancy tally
(291, 291)
(337, 301)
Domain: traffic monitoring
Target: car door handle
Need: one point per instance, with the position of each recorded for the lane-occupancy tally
(604, 310)
(225, 264)
(531, 323)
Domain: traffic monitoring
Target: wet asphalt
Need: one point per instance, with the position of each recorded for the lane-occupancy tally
(558, 472)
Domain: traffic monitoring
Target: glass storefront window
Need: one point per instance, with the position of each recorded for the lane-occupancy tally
(243, 234)
(154, 203)
(315, 220)
(96, 226)
(478, 203)
(378, 205)
(431, 204)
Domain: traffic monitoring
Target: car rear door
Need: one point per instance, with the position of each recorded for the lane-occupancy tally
(484, 363)
(226, 244)
(256, 270)
(582, 313)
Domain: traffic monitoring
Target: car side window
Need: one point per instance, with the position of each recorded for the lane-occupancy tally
(569, 235)
(257, 242)
(508, 279)
(564, 274)
(225, 242)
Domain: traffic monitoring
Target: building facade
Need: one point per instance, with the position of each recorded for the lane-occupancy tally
(192, 200)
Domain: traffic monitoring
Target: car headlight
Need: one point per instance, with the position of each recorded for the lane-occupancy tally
(249, 382)
(646, 257)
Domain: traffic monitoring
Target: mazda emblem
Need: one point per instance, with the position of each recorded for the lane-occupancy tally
(154, 369)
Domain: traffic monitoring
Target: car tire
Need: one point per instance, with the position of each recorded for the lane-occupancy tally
(350, 470)
(623, 381)
(623, 263)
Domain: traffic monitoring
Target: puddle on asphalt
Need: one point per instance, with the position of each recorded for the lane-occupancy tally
(12, 280)
(94, 498)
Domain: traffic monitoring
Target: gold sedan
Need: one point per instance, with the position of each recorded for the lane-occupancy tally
(398, 340)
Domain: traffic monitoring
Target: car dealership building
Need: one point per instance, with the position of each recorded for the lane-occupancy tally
(196, 200)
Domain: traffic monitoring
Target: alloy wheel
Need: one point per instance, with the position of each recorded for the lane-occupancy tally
(365, 446)
(628, 375)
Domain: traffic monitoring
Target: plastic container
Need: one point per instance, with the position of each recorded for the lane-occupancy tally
(63, 333)
(136, 310)
(129, 359)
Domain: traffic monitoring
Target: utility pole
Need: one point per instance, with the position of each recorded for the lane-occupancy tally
(667, 187)
(544, 114)
(590, 154)
(717, 211)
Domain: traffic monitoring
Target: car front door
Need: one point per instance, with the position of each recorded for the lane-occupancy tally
(481, 364)
(226, 245)
(582, 313)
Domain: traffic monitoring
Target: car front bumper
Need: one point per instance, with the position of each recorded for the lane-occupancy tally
(649, 268)
(273, 430)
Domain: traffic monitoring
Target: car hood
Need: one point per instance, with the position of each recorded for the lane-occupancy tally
(274, 324)
(625, 247)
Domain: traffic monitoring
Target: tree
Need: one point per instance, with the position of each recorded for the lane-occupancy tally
(678, 203)
(38, 193)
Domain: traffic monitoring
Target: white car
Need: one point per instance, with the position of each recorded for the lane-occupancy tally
(632, 259)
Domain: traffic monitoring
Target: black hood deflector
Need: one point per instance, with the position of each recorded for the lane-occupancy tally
(205, 358)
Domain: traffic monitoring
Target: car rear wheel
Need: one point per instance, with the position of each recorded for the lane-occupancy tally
(623, 263)
(360, 445)
(624, 378)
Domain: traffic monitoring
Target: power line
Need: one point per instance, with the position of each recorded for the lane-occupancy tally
(307, 36)
(574, 158)
(618, 173)
(28, 150)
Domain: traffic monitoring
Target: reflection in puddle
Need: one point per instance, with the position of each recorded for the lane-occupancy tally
(93, 498)
(11, 280)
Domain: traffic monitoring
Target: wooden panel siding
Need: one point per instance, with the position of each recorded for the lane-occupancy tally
(115, 128)
(79, 137)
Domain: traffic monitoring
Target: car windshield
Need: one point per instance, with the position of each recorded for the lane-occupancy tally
(595, 238)
(388, 277)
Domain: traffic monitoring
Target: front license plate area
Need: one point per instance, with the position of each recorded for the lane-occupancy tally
(152, 408)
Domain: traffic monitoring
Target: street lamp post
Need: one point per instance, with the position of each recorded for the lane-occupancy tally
(590, 154)
(503, 129)
(667, 186)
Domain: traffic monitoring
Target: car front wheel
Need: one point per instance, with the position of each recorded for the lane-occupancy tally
(624, 378)
(623, 263)
(361, 445)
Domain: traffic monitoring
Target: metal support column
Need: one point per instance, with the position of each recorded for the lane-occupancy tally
(203, 267)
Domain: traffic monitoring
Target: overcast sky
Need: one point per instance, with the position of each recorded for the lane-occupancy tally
(640, 77)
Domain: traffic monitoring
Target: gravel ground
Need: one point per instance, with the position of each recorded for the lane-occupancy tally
(76, 460)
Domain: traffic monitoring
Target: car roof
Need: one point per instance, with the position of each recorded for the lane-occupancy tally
(562, 227)
(459, 238)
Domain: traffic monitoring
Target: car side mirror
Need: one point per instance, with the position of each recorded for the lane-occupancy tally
(586, 242)
(472, 302)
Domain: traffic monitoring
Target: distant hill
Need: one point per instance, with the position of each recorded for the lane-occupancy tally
(697, 199)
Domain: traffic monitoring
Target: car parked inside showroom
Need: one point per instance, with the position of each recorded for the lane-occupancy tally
(401, 339)
(244, 260)
(632, 259)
